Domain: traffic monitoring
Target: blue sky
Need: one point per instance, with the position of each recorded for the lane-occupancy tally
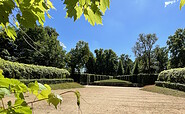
(122, 24)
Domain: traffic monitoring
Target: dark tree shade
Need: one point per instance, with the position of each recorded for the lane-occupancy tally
(176, 46)
(120, 68)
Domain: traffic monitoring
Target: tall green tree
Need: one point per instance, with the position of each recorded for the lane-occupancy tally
(120, 68)
(106, 62)
(111, 62)
(135, 69)
(143, 48)
(160, 58)
(46, 48)
(91, 64)
(176, 46)
(100, 61)
(79, 56)
(127, 62)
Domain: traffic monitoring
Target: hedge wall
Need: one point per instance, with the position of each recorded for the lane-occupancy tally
(174, 76)
(47, 81)
(140, 79)
(25, 71)
(89, 78)
(177, 86)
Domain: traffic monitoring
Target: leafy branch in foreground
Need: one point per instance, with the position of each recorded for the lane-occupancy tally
(28, 13)
(41, 92)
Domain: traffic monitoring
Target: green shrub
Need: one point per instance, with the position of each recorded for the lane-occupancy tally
(47, 81)
(177, 86)
(173, 75)
(25, 71)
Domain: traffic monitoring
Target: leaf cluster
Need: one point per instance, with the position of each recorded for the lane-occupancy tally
(21, 106)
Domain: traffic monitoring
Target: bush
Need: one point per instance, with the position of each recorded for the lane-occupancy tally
(89, 78)
(177, 86)
(47, 81)
(173, 75)
(25, 71)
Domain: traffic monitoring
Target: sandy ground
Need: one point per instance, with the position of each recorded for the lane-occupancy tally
(114, 100)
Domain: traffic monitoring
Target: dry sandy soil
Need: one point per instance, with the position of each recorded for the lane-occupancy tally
(114, 100)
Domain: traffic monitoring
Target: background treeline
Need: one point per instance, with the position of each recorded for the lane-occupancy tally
(43, 48)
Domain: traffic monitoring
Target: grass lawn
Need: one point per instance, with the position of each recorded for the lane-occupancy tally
(113, 82)
(164, 91)
(66, 86)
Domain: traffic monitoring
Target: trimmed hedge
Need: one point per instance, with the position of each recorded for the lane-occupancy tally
(113, 82)
(86, 79)
(140, 79)
(177, 86)
(47, 81)
(25, 71)
(173, 75)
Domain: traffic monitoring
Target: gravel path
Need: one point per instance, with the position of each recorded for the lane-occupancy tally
(114, 100)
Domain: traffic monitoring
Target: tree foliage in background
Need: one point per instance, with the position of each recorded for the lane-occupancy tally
(143, 48)
(91, 64)
(46, 48)
(106, 62)
(100, 61)
(120, 68)
(29, 13)
(78, 57)
(176, 46)
(127, 63)
(160, 55)
(135, 69)
(7, 48)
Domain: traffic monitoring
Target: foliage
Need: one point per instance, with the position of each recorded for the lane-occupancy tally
(100, 61)
(173, 75)
(91, 64)
(160, 58)
(25, 71)
(182, 2)
(66, 86)
(135, 69)
(106, 62)
(176, 46)
(29, 13)
(143, 49)
(120, 68)
(127, 63)
(42, 92)
(47, 81)
(177, 86)
(78, 57)
(47, 50)
(41, 48)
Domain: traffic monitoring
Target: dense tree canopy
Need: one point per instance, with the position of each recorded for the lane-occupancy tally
(160, 58)
(127, 63)
(78, 57)
(46, 48)
(176, 46)
(143, 49)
